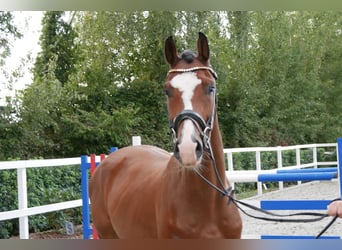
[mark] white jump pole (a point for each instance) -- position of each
(136, 140)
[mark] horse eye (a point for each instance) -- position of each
(167, 92)
(211, 89)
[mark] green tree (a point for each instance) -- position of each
(274, 89)
(42, 102)
(123, 63)
(9, 131)
(40, 115)
(328, 29)
(297, 111)
(7, 31)
(239, 99)
(57, 43)
(278, 80)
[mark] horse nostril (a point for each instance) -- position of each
(176, 152)
(199, 150)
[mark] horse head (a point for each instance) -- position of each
(191, 100)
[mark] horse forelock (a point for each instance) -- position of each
(188, 56)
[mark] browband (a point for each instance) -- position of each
(194, 69)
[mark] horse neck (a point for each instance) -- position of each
(217, 149)
(190, 185)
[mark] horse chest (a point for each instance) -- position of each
(192, 226)
(187, 229)
(216, 223)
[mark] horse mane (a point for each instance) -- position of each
(188, 56)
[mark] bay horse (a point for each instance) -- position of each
(146, 192)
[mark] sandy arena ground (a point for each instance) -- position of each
(321, 190)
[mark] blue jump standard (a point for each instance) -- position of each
(85, 166)
(296, 237)
(308, 170)
(297, 176)
(300, 175)
(294, 204)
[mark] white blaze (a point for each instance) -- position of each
(186, 83)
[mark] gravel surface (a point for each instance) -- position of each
(318, 190)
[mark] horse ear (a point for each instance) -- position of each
(203, 48)
(171, 51)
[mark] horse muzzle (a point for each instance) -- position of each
(188, 130)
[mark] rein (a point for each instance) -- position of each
(205, 127)
(230, 194)
(275, 217)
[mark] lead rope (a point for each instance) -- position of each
(229, 193)
(330, 223)
(281, 217)
(327, 227)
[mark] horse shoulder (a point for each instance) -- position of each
(130, 162)
(130, 180)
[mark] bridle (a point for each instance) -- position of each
(205, 128)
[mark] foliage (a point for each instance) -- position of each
(274, 94)
(9, 131)
(278, 80)
(10, 135)
(45, 186)
(7, 31)
(142, 97)
(57, 42)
